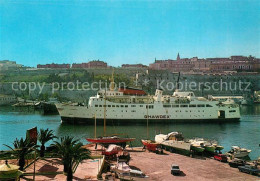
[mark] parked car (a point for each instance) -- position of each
(249, 169)
(221, 157)
(236, 162)
(175, 169)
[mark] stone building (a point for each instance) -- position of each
(91, 64)
(134, 66)
(234, 63)
(54, 66)
(9, 65)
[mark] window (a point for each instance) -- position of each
(201, 105)
(175, 105)
(141, 106)
(150, 107)
(117, 105)
(96, 105)
(166, 105)
(113, 105)
(122, 105)
(232, 111)
(100, 105)
(126, 105)
(132, 105)
(209, 105)
(184, 105)
(192, 105)
(109, 105)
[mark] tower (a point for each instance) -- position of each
(178, 56)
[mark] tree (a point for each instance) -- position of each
(71, 152)
(44, 96)
(44, 136)
(21, 149)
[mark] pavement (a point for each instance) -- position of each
(158, 167)
(86, 170)
(155, 166)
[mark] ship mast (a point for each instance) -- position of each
(104, 134)
(112, 82)
(147, 128)
(112, 88)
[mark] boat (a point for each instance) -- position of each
(176, 136)
(112, 150)
(120, 167)
(106, 140)
(150, 145)
(210, 148)
(173, 140)
(180, 106)
(132, 91)
(197, 148)
(218, 147)
(236, 162)
(238, 152)
(199, 143)
(109, 140)
(49, 106)
(124, 171)
(248, 100)
(229, 101)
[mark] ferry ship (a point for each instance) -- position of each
(115, 106)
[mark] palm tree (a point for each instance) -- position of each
(21, 149)
(71, 152)
(44, 136)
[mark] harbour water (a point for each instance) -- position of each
(245, 133)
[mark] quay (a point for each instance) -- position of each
(177, 146)
(153, 166)
(158, 167)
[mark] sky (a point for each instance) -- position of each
(121, 32)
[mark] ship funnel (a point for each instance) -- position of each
(158, 95)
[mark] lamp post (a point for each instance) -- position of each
(95, 125)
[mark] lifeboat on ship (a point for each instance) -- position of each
(132, 91)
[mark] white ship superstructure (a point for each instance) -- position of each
(181, 106)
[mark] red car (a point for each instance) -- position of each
(221, 157)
